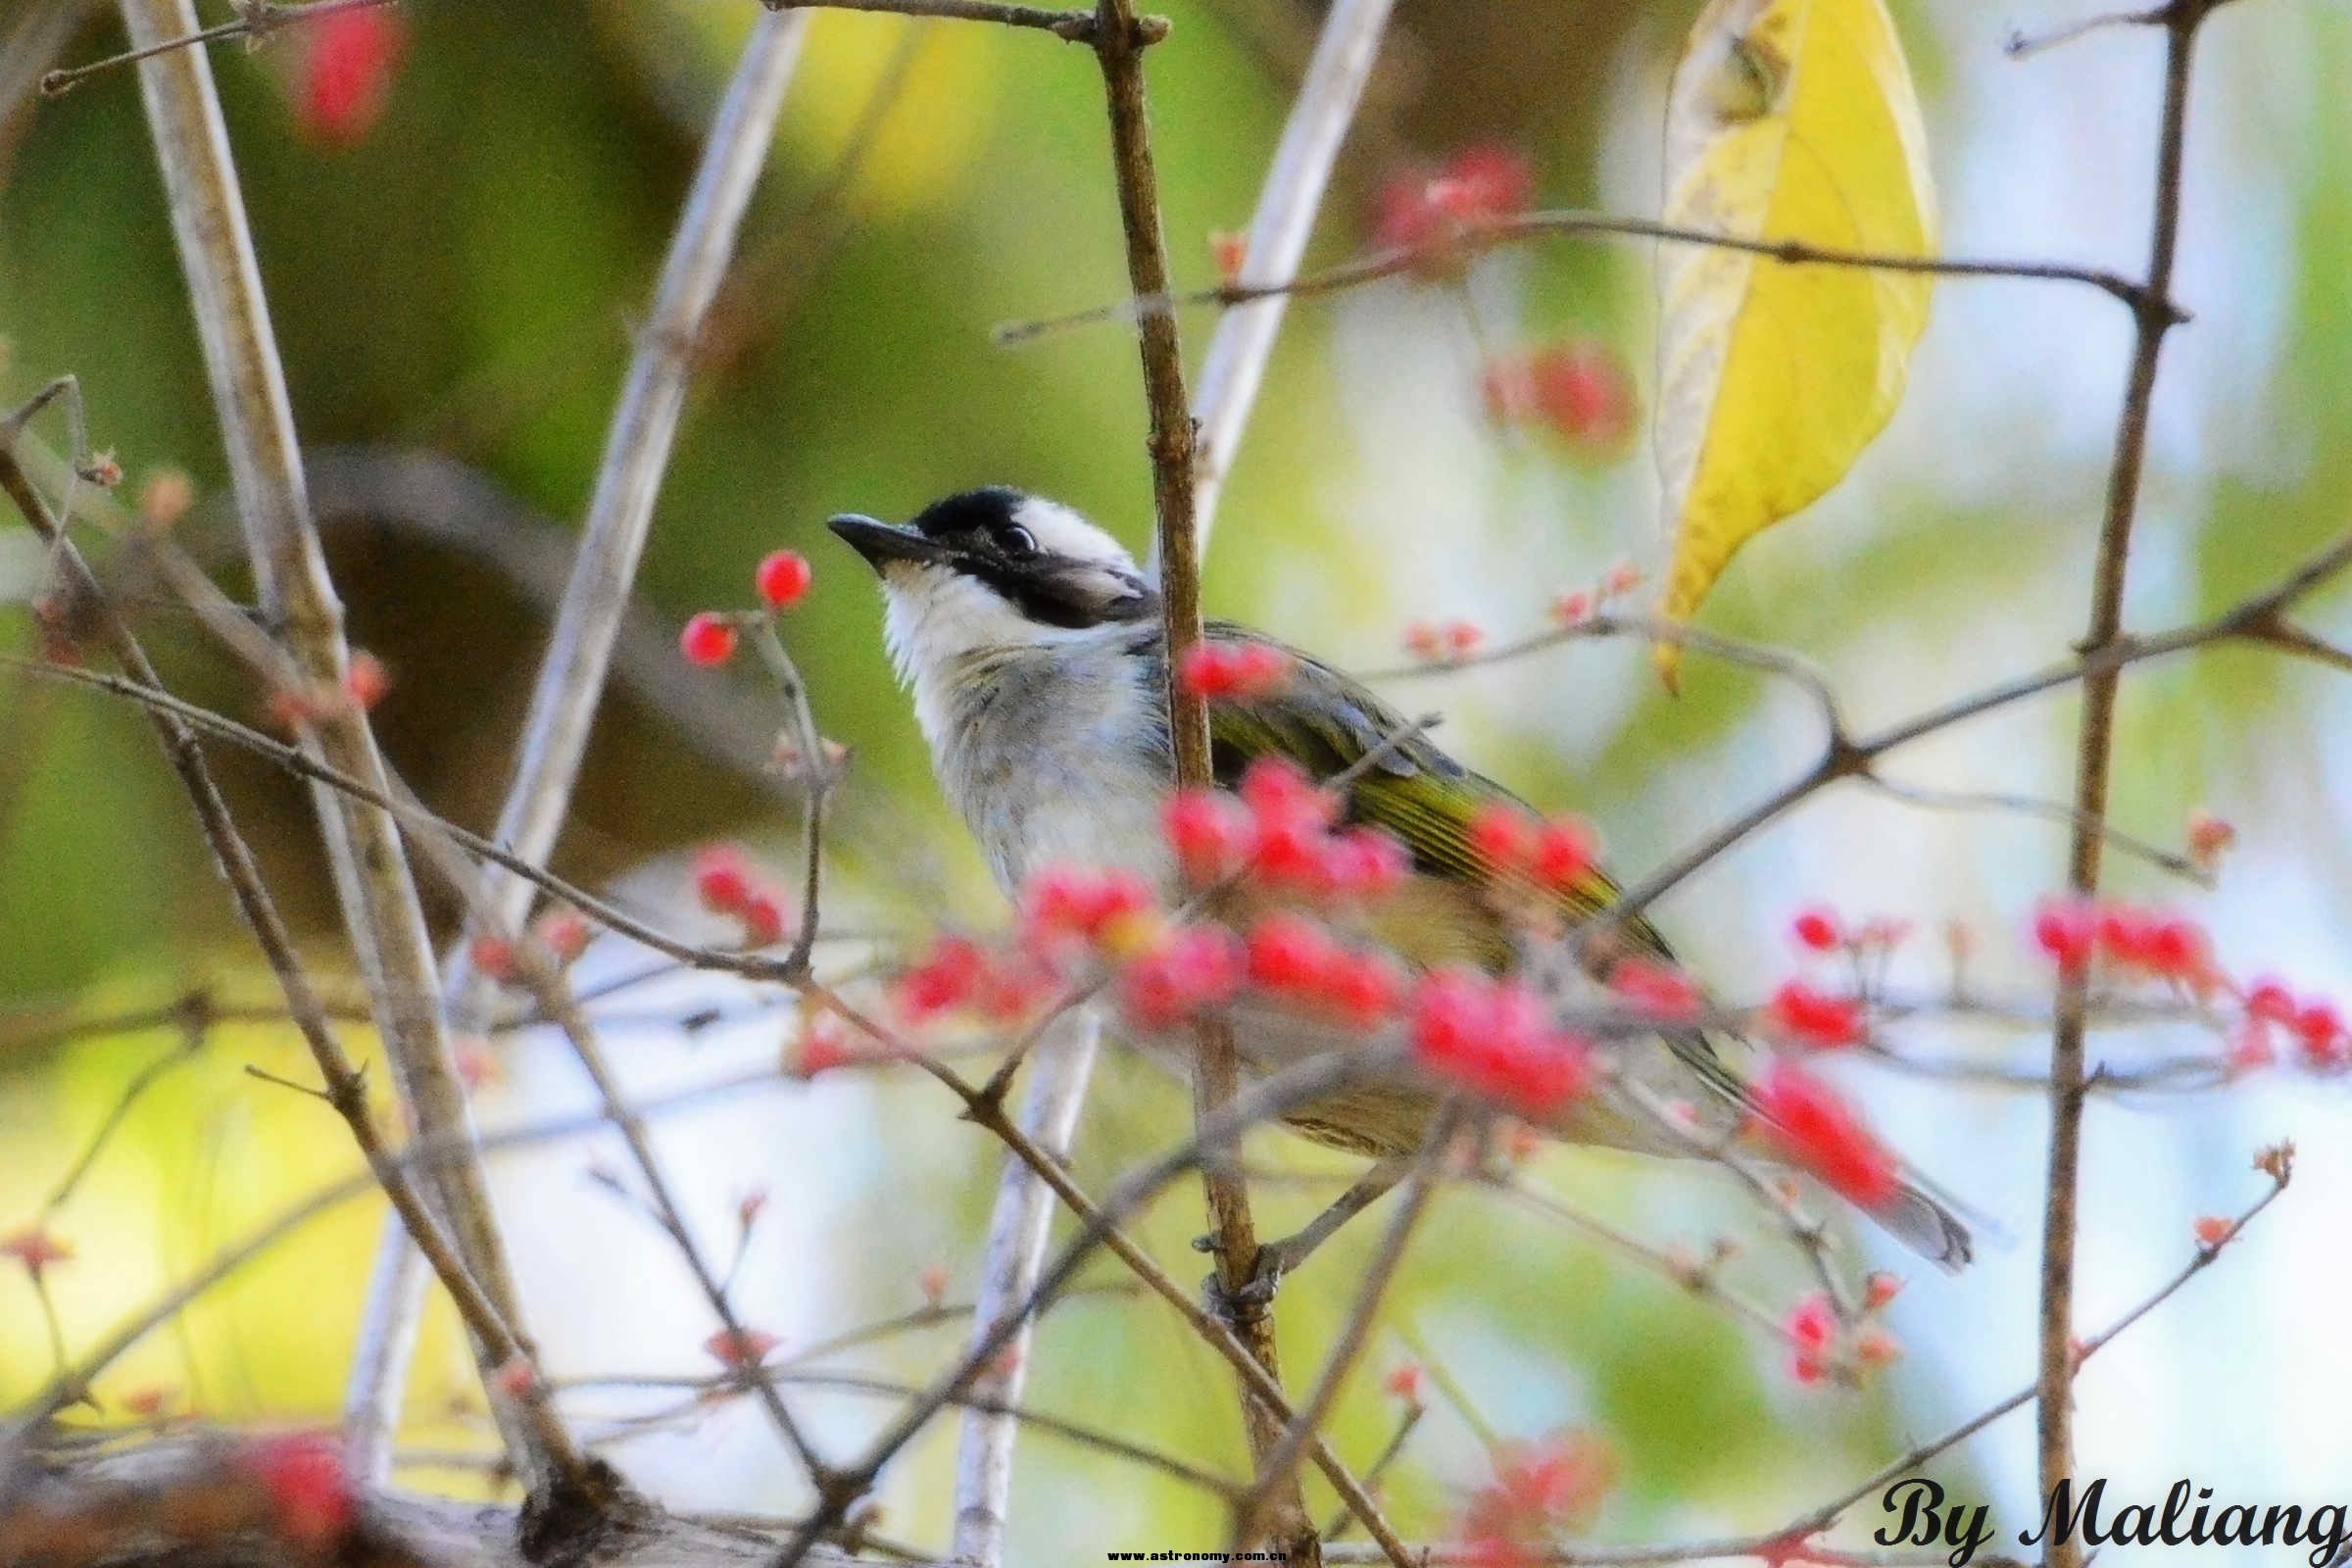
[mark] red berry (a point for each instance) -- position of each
(1229, 251)
(2269, 1000)
(1819, 1131)
(365, 681)
(493, 957)
(1502, 837)
(1572, 608)
(37, 1248)
(707, 640)
(308, 1491)
(1812, 1330)
(782, 578)
(563, 932)
(345, 75)
(722, 879)
(1364, 863)
(1818, 930)
(2321, 1029)
(1289, 952)
(1210, 832)
(2211, 1231)
(1563, 853)
(2067, 930)
(763, 920)
(947, 978)
(1803, 1016)
(741, 1347)
(1659, 990)
(1584, 396)
(1880, 1288)
(1404, 1382)
(1362, 989)
(1191, 969)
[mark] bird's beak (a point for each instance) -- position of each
(881, 542)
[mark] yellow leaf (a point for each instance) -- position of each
(1789, 119)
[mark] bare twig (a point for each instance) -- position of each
(2153, 317)
(1071, 27)
(1216, 1072)
(373, 877)
(2022, 45)
(256, 21)
(1493, 235)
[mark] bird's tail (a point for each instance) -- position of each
(1926, 1224)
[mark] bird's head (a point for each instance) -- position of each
(995, 570)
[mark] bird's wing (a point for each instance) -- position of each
(1327, 723)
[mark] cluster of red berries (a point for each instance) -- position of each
(1540, 1490)
(2133, 941)
(560, 934)
(1817, 1337)
(1556, 853)
(1279, 829)
(2075, 932)
(727, 884)
(1578, 390)
(1296, 961)
(1495, 1037)
(1444, 642)
(1226, 671)
(1429, 212)
(1810, 1125)
(1579, 604)
(710, 637)
(2314, 1023)
(366, 680)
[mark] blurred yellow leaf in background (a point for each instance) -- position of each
(1788, 120)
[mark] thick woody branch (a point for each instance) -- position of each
(189, 1500)
(372, 878)
(2093, 761)
(1216, 1071)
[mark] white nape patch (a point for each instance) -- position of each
(1060, 531)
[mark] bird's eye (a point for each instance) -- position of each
(1016, 540)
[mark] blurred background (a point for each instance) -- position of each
(458, 218)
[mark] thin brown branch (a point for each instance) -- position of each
(1527, 226)
(256, 21)
(1278, 1470)
(2093, 760)
(1071, 27)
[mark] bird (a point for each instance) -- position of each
(1034, 651)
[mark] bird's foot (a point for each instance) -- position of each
(1248, 1302)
